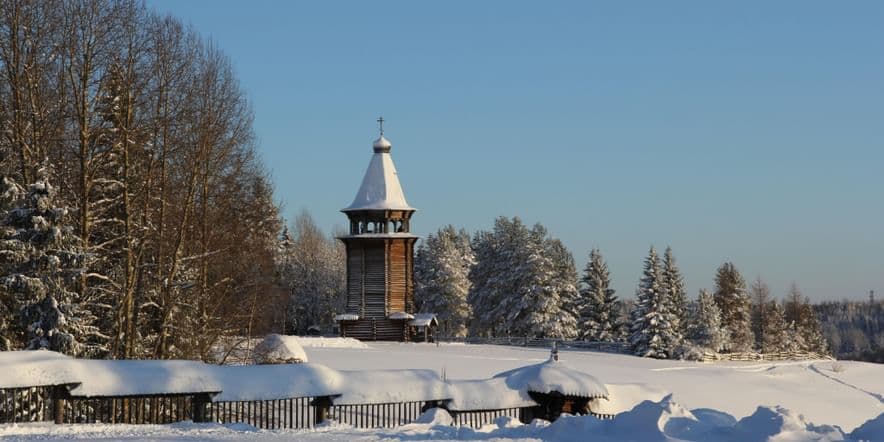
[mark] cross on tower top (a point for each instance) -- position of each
(381, 124)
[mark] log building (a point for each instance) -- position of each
(380, 254)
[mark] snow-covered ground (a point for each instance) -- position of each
(721, 401)
(843, 393)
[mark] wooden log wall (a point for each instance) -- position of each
(398, 275)
(374, 280)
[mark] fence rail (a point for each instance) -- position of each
(476, 419)
(292, 413)
(522, 341)
(377, 415)
(775, 356)
(135, 410)
(31, 404)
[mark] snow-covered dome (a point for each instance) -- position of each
(380, 189)
(554, 375)
(382, 145)
(279, 349)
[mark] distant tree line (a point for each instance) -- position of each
(855, 329)
(136, 220)
(519, 281)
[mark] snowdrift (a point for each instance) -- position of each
(279, 349)
(551, 376)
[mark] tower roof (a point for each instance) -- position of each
(380, 189)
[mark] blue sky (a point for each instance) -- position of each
(748, 131)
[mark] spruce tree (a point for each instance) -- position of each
(775, 337)
(705, 328)
(441, 278)
(804, 324)
(652, 332)
(523, 283)
(39, 261)
(733, 301)
(673, 284)
(599, 312)
(760, 295)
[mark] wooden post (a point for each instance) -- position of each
(200, 405)
(58, 394)
(322, 406)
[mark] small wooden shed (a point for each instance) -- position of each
(423, 327)
(556, 388)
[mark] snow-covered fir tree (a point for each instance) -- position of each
(652, 332)
(775, 336)
(804, 325)
(599, 312)
(563, 285)
(733, 301)
(442, 265)
(673, 284)
(760, 295)
(39, 261)
(522, 283)
(490, 278)
(10, 194)
(705, 328)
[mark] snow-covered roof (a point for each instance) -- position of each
(552, 376)
(268, 382)
(92, 378)
(423, 319)
(486, 394)
(380, 189)
(386, 386)
(34, 368)
(279, 349)
(401, 315)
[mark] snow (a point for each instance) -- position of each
(663, 420)
(847, 397)
(33, 369)
(267, 382)
(380, 189)
(552, 376)
(347, 317)
(653, 399)
(279, 349)
(94, 378)
(382, 143)
(385, 386)
(401, 315)
(324, 342)
(486, 394)
(624, 397)
(423, 319)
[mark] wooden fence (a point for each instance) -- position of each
(751, 356)
(32, 404)
(150, 409)
(523, 341)
(476, 419)
(386, 415)
(269, 414)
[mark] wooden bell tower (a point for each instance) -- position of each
(380, 254)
